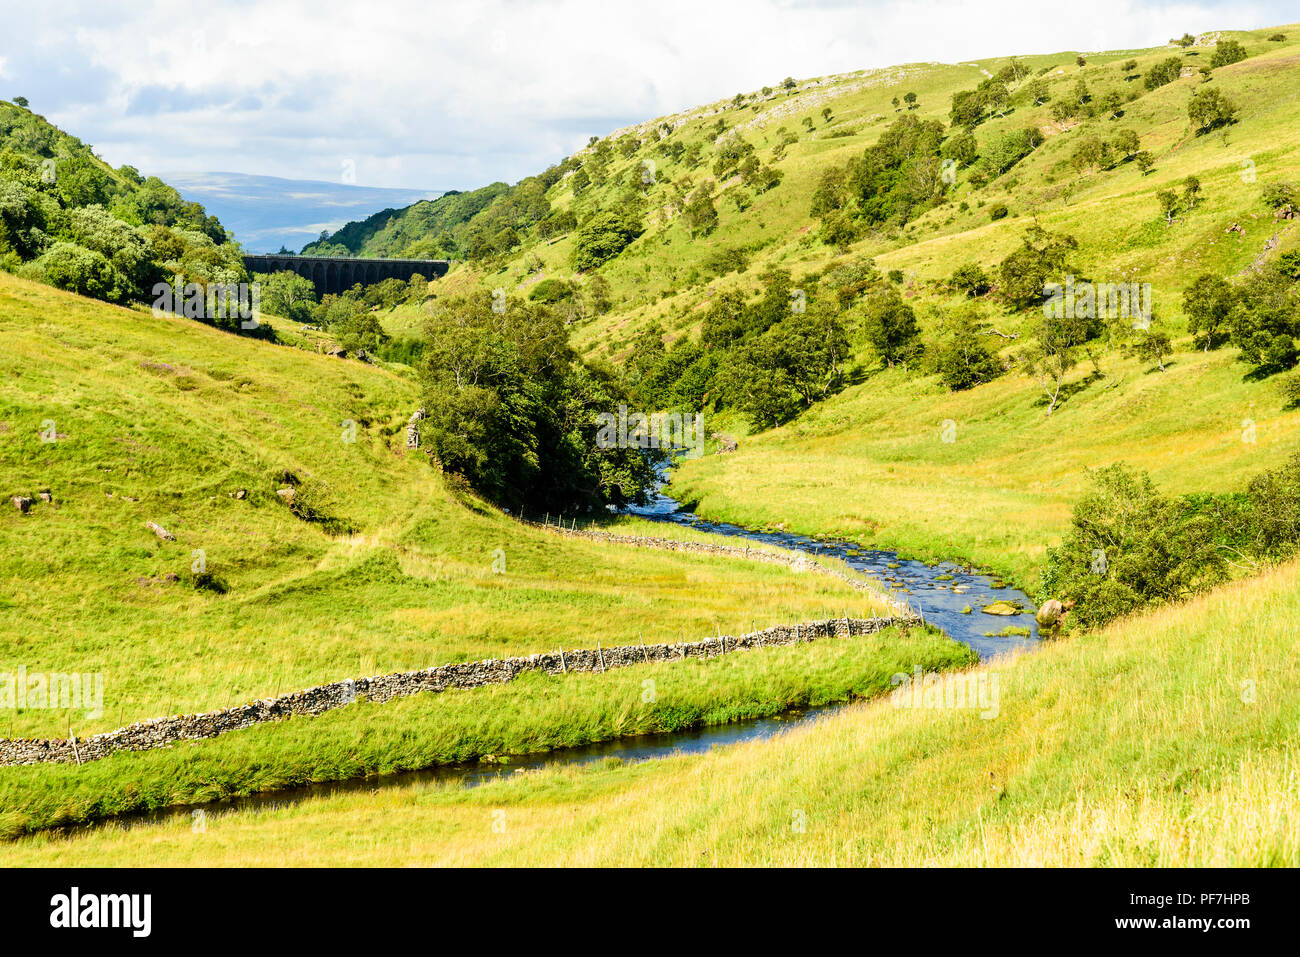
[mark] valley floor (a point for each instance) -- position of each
(1168, 739)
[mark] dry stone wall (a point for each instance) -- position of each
(163, 732)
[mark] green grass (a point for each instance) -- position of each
(870, 464)
(1166, 740)
(534, 713)
(163, 420)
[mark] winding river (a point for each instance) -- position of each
(940, 592)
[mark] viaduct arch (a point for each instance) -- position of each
(337, 274)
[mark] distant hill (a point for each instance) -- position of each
(267, 212)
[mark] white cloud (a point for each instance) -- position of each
(465, 92)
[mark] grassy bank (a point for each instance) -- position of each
(1168, 739)
(535, 713)
(871, 464)
(165, 420)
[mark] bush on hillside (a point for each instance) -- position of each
(602, 238)
(1128, 547)
(83, 271)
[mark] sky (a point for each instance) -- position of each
(452, 95)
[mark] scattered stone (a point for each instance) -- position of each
(285, 493)
(726, 443)
(45, 496)
(413, 429)
(1050, 613)
(241, 494)
(161, 532)
(1003, 608)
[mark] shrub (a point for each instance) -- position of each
(1277, 195)
(551, 291)
(83, 271)
(602, 238)
(998, 211)
(1128, 547)
(971, 279)
(1162, 73)
(1209, 108)
(1226, 52)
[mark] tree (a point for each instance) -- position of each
(1144, 161)
(1127, 143)
(1129, 546)
(603, 237)
(891, 328)
(967, 109)
(1279, 194)
(1191, 191)
(788, 83)
(1091, 153)
(826, 113)
(287, 294)
(1227, 52)
(964, 360)
(962, 148)
(910, 100)
(1037, 92)
(1208, 302)
(831, 192)
(1185, 40)
(896, 103)
(83, 271)
(21, 101)
(1209, 108)
(1128, 66)
(1163, 72)
(1153, 345)
(1112, 104)
(1054, 351)
(1080, 61)
(1024, 274)
(700, 214)
(1169, 205)
(970, 279)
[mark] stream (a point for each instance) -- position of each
(940, 592)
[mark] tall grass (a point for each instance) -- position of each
(534, 713)
(1168, 739)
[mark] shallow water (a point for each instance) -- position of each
(939, 600)
(938, 592)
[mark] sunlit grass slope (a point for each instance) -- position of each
(497, 723)
(1169, 739)
(872, 464)
(164, 420)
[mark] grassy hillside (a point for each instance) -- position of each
(378, 566)
(869, 463)
(1165, 740)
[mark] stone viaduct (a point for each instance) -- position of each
(336, 274)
